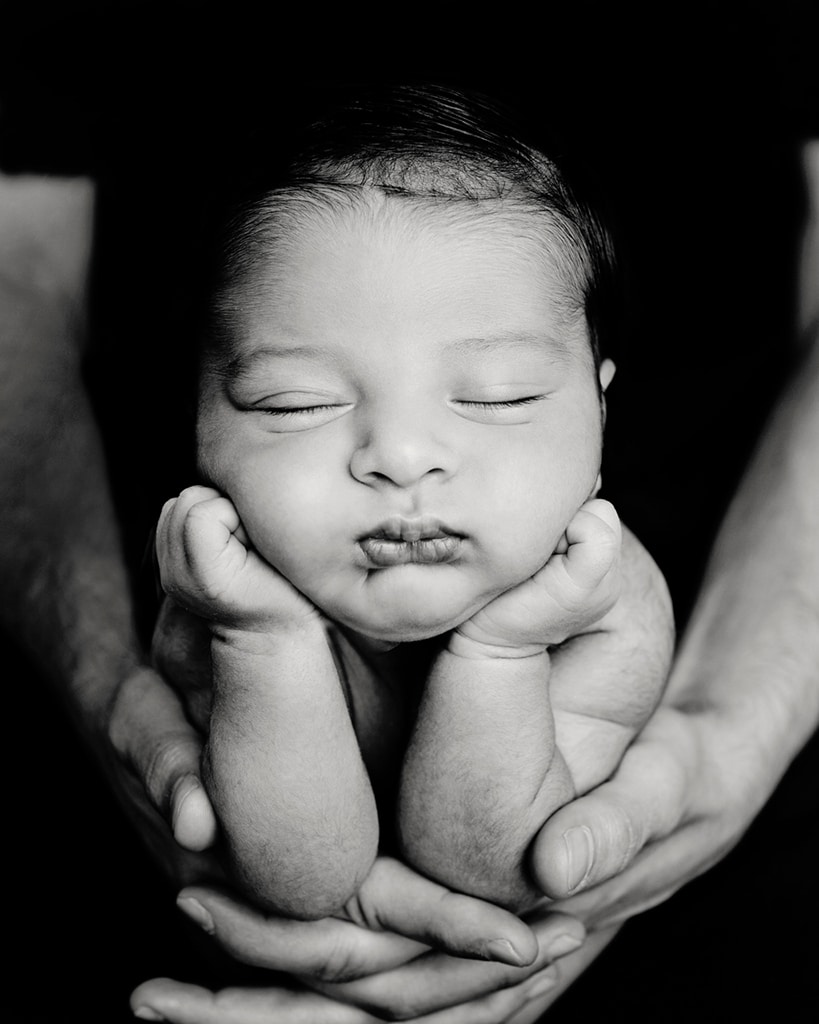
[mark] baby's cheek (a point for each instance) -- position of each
(526, 543)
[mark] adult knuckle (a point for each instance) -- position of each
(338, 966)
(162, 767)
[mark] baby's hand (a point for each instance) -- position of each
(208, 567)
(576, 587)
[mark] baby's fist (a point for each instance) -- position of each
(207, 565)
(574, 590)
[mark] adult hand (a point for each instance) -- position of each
(741, 702)
(153, 760)
(64, 589)
(377, 965)
(395, 919)
(684, 794)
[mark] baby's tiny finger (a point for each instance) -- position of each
(174, 514)
(604, 512)
(208, 527)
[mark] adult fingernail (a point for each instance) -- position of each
(504, 951)
(544, 983)
(197, 913)
(564, 944)
(579, 843)
(147, 1013)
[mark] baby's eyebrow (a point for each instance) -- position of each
(244, 363)
(503, 341)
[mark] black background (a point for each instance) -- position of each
(690, 118)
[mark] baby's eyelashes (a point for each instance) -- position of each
(303, 416)
(497, 410)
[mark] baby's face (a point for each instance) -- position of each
(406, 425)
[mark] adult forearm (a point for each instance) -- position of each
(751, 652)
(63, 589)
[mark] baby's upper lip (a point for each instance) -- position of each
(411, 528)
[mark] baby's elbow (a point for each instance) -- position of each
(308, 882)
(305, 898)
(490, 866)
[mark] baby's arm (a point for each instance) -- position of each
(483, 771)
(282, 763)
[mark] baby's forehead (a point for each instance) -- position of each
(341, 224)
(350, 263)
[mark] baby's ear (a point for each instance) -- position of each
(606, 374)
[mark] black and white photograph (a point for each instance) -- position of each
(409, 512)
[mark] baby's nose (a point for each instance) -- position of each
(402, 450)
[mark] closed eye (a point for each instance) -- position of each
(298, 410)
(510, 403)
(289, 418)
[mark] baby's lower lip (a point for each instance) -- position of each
(383, 552)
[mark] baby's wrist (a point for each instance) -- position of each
(474, 648)
(261, 636)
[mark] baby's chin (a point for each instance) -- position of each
(386, 635)
(409, 604)
(406, 621)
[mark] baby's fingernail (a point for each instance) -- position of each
(504, 951)
(147, 1013)
(579, 843)
(197, 913)
(564, 944)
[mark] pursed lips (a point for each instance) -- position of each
(424, 540)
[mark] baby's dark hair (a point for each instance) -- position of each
(431, 143)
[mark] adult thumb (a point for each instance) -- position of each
(598, 835)
(150, 731)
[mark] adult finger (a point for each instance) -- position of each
(554, 981)
(436, 981)
(149, 729)
(595, 837)
(500, 1006)
(395, 898)
(329, 949)
(181, 1003)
